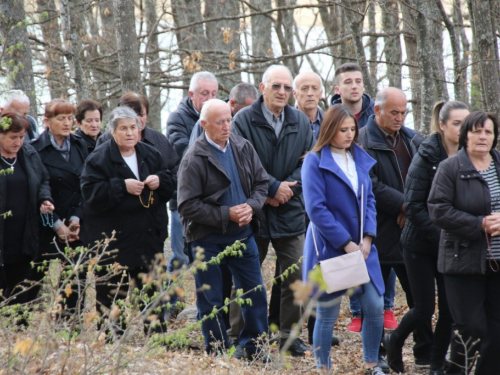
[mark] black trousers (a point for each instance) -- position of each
(13, 275)
(423, 332)
(423, 278)
(111, 290)
(475, 307)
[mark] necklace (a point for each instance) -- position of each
(150, 200)
(9, 164)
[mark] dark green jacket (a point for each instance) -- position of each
(282, 159)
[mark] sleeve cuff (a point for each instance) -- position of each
(74, 218)
(271, 192)
(58, 224)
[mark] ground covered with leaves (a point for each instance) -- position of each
(55, 346)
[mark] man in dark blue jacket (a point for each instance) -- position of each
(393, 145)
(349, 89)
(180, 123)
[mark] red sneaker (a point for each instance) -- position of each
(390, 320)
(355, 325)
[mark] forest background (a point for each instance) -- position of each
(100, 49)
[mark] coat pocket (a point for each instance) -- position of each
(458, 256)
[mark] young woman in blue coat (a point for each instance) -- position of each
(334, 173)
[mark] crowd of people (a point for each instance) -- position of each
(259, 172)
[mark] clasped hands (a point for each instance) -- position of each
(491, 224)
(365, 247)
(241, 214)
(283, 194)
(135, 187)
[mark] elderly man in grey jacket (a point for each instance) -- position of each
(222, 187)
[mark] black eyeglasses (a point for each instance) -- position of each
(277, 87)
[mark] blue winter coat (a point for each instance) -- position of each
(333, 208)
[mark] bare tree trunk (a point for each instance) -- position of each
(464, 60)
(189, 39)
(261, 35)
(14, 35)
(128, 46)
(436, 40)
(356, 19)
(152, 65)
(331, 20)
(72, 47)
(428, 86)
(485, 41)
(284, 27)
(224, 40)
(410, 39)
(390, 22)
(372, 45)
(57, 78)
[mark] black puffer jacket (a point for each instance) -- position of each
(282, 159)
(420, 235)
(38, 191)
(180, 124)
(140, 231)
(388, 187)
(458, 201)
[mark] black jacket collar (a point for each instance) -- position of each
(291, 117)
(376, 139)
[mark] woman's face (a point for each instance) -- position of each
(91, 123)
(10, 143)
(126, 134)
(480, 140)
(60, 126)
(345, 134)
(451, 128)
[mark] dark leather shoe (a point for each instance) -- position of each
(297, 349)
(382, 363)
(394, 355)
(240, 353)
(437, 372)
(335, 341)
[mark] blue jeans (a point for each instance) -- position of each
(178, 258)
(372, 307)
(247, 275)
(390, 293)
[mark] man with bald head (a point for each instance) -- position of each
(308, 90)
(393, 145)
(222, 187)
(281, 135)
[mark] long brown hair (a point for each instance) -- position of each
(330, 126)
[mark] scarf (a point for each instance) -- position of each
(64, 150)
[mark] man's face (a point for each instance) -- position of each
(235, 107)
(392, 117)
(277, 90)
(350, 87)
(308, 92)
(218, 124)
(21, 108)
(206, 90)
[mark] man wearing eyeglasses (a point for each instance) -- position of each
(308, 90)
(281, 135)
(393, 145)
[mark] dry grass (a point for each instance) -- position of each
(44, 348)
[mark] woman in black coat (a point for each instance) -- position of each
(464, 202)
(420, 239)
(24, 192)
(63, 154)
(88, 119)
(125, 186)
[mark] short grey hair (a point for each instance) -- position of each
(206, 108)
(195, 80)
(121, 113)
(294, 84)
(242, 91)
(381, 97)
(272, 68)
(15, 96)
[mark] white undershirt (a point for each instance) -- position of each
(349, 169)
(132, 163)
